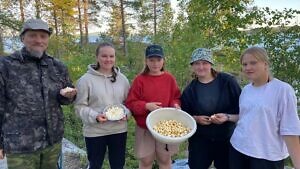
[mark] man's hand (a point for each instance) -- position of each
(1, 154)
(68, 92)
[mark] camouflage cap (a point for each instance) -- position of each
(202, 54)
(35, 24)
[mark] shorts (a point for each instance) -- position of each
(146, 145)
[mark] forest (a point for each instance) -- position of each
(227, 27)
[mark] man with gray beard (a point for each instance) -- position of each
(33, 86)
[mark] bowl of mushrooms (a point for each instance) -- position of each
(114, 112)
(171, 125)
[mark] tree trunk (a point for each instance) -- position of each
(22, 11)
(86, 21)
(38, 8)
(80, 22)
(56, 49)
(1, 43)
(154, 17)
(123, 29)
(63, 22)
(55, 21)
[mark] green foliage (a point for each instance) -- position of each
(134, 63)
(144, 17)
(221, 26)
(131, 161)
(165, 23)
(281, 42)
(115, 26)
(283, 52)
(7, 20)
(73, 127)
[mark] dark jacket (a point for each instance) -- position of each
(31, 116)
(228, 102)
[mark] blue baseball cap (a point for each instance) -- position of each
(154, 50)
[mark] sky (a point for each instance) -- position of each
(278, 4)
(273, 4)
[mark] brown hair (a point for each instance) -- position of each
(101, 45)
(146, 69)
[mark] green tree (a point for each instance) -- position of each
(115, 25)
(119, 25)
(7, 22)
(280, 37)
(152, 16)
(227, 28)
(144, 17)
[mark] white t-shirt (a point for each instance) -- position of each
(267, 113)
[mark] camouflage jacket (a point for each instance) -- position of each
(31, 116)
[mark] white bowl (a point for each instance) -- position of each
(113, 116)
(170, 114)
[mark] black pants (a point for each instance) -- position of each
(242, 161)
(96, 149)
(202, 152)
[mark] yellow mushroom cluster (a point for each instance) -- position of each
(171, 128)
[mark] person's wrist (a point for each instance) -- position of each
(228, 117)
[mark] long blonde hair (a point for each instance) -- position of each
(260, 54)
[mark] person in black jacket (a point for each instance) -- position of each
(212, 98)
(33, 86)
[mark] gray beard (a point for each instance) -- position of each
(36, 54)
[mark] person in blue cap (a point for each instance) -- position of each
(33, 86)
(152, 89)
(212, 98)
